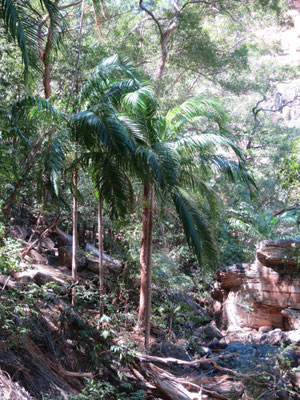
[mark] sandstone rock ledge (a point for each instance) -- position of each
(263, 294)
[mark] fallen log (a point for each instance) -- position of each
(89, 248)
(166, 361)
(173, 390)
(172, 387)
(67, 239)
(179, 383)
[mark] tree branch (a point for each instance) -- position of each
(195, 2)
(142, 7)
(287, 209)
(256, 110)
(76, 3)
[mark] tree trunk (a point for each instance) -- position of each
(144, 314)
(47, 79)
(149, 270)
(96, 10)
(75, 237)
(100, 259)
(144, 255)
(163, 58)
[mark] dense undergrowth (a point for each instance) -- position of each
(56, 351)
(42, 335)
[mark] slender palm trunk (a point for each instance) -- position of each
(144, 255)
(149, 270)
(101, 270)
(75, 237)
(144, 314)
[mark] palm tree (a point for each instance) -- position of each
(108, 140)
(168, 152)
(179, 149)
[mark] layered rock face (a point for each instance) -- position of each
(263, 294)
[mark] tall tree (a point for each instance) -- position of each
(197, 127)
(109, 141)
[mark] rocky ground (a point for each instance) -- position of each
(249, 350)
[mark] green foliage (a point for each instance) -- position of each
(272, 376)
(10, 260)
(95, 390)
(289, 173)
(21, 21)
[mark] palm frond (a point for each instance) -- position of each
(147, 163)
(199, 106)
(22, 27)
(197, 229)
(133, 128)
(54, 162)
(203, 142)
(34, 106)
(120, 142)
(115, 187)
(117, 66)
(108, 91)
(189, 178)
(141, 101)
(21, 20)
(88, 129)
(168, 162)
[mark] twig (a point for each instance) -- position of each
(5, 283)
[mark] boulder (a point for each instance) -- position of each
(216, 344)
(169, 350)
(47, 243)
(36, 257)
(254, 295)
(293, 318)
(275, 337)
(294, 337)
(296, 378)
(278, 252)
(253, 356)
(38, 277)
(65, 258)
(208, 333)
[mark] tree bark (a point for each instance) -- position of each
(96, 11)
(164, 34)
(149, 270)
(75, 237)
(100, 258)
(144, 255)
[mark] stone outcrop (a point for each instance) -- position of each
(263, 294)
